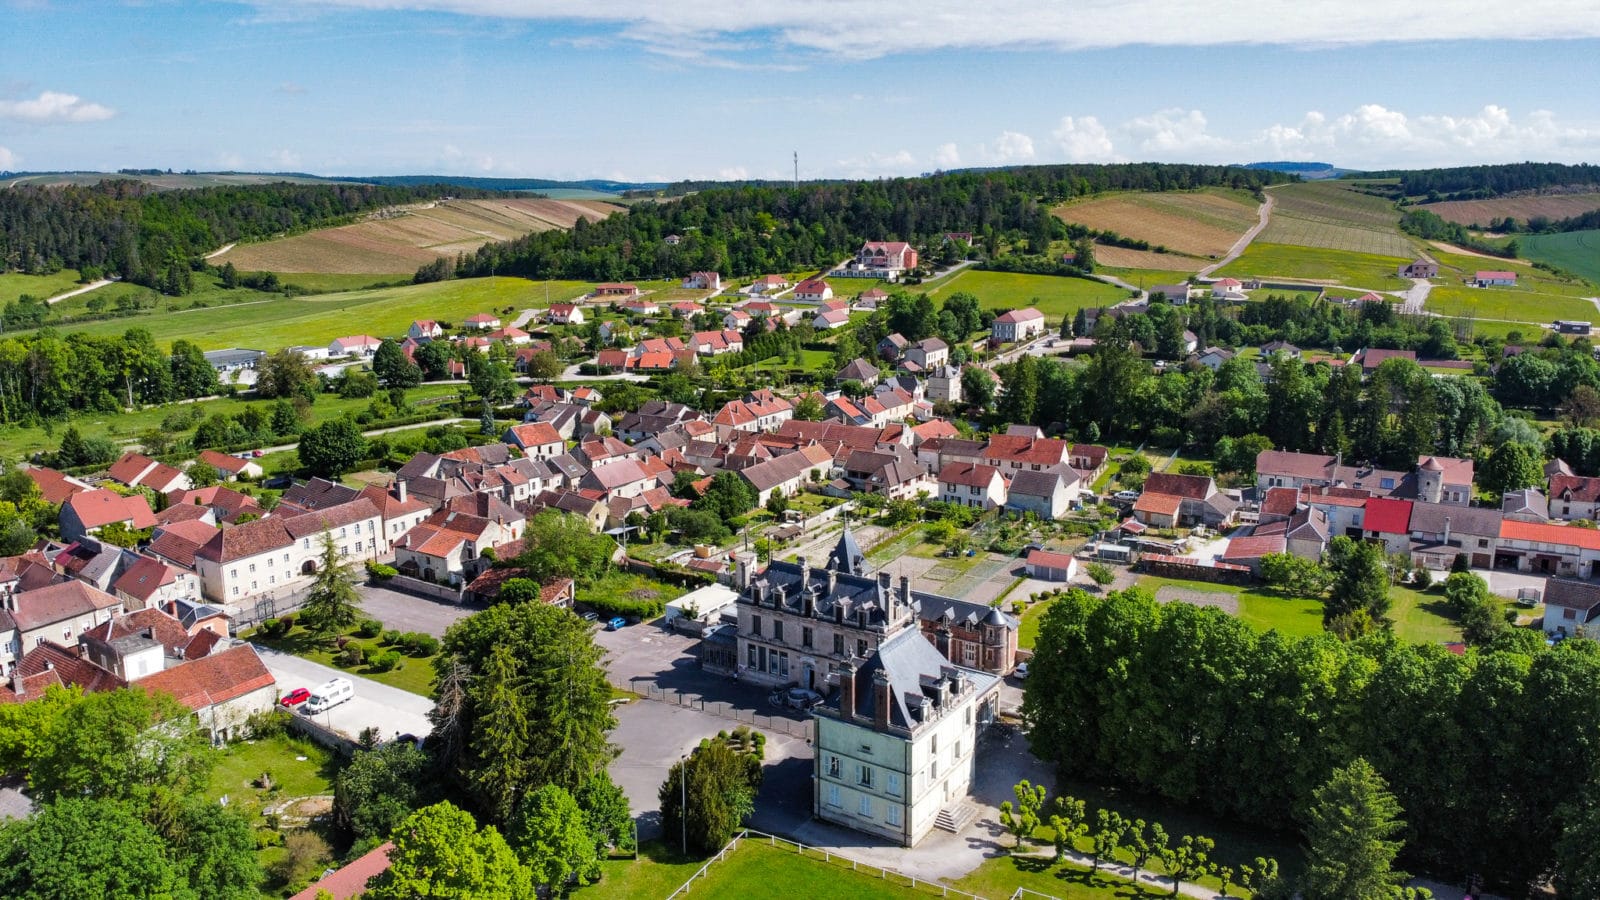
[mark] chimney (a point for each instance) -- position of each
(1446, 529)
(943, 641)
(905, 590)
(847, 692)
(833, 582)
(17, 685)
(742, 571)
(805, 573)
(880, 699)
(400, 490)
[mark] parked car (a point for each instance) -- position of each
(258, 453)
(802, 699)
(1021, 671)
(589, 615)
(1126, 496)
(616, 623)
(295, 697)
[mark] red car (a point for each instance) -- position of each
(296, 697)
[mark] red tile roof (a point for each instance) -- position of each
(1027, 314)
(1388, 516)
(102, 507)
(968, 474)
(55, 486)
(1160, 504)
(223, 462)
(1566, 535)
(1049, 559)
(214, 679)
(350, 881)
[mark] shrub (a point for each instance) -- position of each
(353, 655)
(1421, 578)
(380, 571)
(269, 723)
(369, 628)
(644, 608)
(384, 661)
(391, 637)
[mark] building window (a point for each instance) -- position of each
(956, 753)
(805, 637)
(864, 776)
(866, 806)
(233, 573)
(861, 647)
(894, 784)
(833, 767)
(935, 746)
(751, 662)
(935, 773)
(755, 625)
(833, 795)
(838, 645)
(777, 630)
(891, 814)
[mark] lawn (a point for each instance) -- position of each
(40, 287)
(1363, 270)
(759, 871)
(1055, 296)
(276, 321)
(1514, 304)
(1002, 876)
(414, 673)
(240, 764)
(1144, 278)
(329, 282)
(810, 360)
(1032, 618)
(18, 440)
(654, 875)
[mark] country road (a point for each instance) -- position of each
(218, 252)
(76, 291)
(377, 431)
(1264, 214)
(1416, 296)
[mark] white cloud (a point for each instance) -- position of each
(286, 159)
(1375, 136)
(876, 165)
(733, 173)
(52, 107)
(8, 159)
(946, 156)
(1084, 139)
(855, 29)
(1168, 130)
(1009, 147)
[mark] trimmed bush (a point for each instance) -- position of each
(384, 661)
(380, 571)
(369, 628)
(627, 606)
(391, 637)
(352, 655)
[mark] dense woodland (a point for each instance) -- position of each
(749, 230)
(151, 237)
(1484, 182)
(1489, 754)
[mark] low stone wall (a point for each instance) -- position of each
(422, 588)
(321, 735)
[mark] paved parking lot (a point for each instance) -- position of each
(408, 612)
(391, 710)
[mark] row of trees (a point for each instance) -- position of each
(1197, 707)
(750, 229)
(47, 376)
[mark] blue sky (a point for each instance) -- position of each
(647, 90)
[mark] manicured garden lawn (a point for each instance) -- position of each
(810, 360)
(240, 764)
(1032, 617)
(754, 871)
(1001, 876)
(654, 875)
(1053, 295)
(414, 673)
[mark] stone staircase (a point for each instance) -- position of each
(955, 817)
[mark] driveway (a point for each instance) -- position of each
(391, 710)
(648, 655)
(408, 612)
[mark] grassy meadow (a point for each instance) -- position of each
(1577, 252)
(40, 287)
(1357, 270)
(1053, 295)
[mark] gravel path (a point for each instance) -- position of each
(1228, 603)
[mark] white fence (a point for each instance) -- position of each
(931, 888)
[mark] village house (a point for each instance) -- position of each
(858, 370)
(943, 384)
(1574, 497)
(134, 470)
(1494, 278)
(230, 467)
(1419, 268)
(760, 410)
(1230, 289)
(871, 297)
(563, 314)
(812, 290)
(56, 612)
(928, 353)
(716, 343)
(888, 260)
(787, 473)
(354, 345)
(1441, 532)
(1176, 294)
(1047, 494)
(1570, 608)
(1173, 501)
(769, 284)
(86, 512)
(616, 289)
(536, 440)
(895, 473)
(448, 545)
(829, 319)
(482, 321)
(1548, 549)
(972, 484)
(424, 330)
(280, 553)
(1018, 325)
(702, 281)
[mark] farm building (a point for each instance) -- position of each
(233, 359)
(616, 289)
(1051, 566)
(1177, 294)
(1494, 278)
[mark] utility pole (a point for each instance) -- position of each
(797, 170)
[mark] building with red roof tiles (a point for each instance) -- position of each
(48, 665)
(937, 428)
(350, 881)
(1548, 549)
(972, 484)
(1012, 453)
(135, 470)
(89, 511)
(702, 281)
(425, 330)
(276, 555)
(813, 290)
(1388, 520)
(768, 284)
(564, 314)
(1494, 277)
(483, 321)
(537, 440)
(884, 259)
(228, 466)
(354, 345)
(148, 582)
(1018, 325)
(616, 289)
(224, 689)
(59, 611)
(55, 486)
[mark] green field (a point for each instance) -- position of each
(1053, 295)
(414, 674)
(1577, 252)
(327, 282)
(18, 441)
(1509, 304)
(1144, 278)
(279, 321)
(1419, 617)
(1360, 270)
(755, 870)
(40, 287)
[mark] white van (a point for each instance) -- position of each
(327, 696)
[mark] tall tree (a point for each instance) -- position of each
(86, 847)
(1020, 401)
(440, 852)
(551, 835)
(1351, 831)
(392, 367)
(720, 790)
(332, 604)
(332, 448)
(379, 788)
(1512, 466)
(1360, 581)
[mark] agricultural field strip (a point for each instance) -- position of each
(1481, 212)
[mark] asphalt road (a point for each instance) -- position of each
(391, 710)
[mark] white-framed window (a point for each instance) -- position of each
(866, 806)
(833, 767)
(864, 776)
(893, 784)
(891, 814)
(233, 573)
(833, 795)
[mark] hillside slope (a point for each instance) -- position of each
(399, 241)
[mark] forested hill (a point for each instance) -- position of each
(1484, 182)
(752, 229)
(511, 184)
(149, 236)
